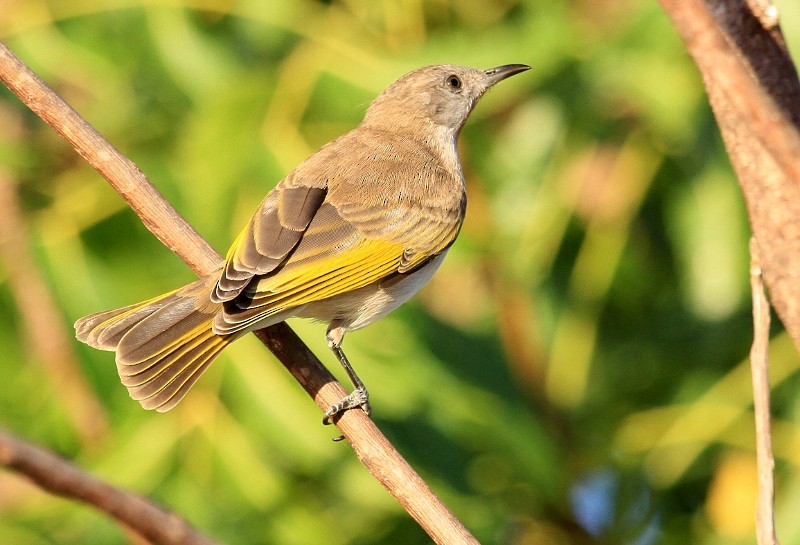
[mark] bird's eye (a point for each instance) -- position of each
(454, 82)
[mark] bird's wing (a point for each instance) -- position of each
(337, 252)
(273, 232)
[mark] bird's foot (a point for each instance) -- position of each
(357, 398)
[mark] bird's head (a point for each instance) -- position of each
(440, 95)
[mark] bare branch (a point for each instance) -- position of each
(371, 447)
(56, 475)
(45, 331)
(759, 367)
(754, 91)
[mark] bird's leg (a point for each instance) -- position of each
(359, 397)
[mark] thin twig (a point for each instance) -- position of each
(56, 475)
(759, 367)
(754, 90)
(371, 447)
(45, 331)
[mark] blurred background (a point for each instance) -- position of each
(575, 373)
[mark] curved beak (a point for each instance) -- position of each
(493, 75)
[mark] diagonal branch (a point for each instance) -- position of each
(49, 342)
(58, 476)
(754, 91)
(372, 448)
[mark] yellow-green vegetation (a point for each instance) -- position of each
(575, 371)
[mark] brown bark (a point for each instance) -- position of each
(754, 91)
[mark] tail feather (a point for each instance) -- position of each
(164, 329)
(154, 372)
(172, 377)
(104, 330)
(163, 345)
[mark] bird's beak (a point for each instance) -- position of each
(493, 75)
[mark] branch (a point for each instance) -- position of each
(45, 335)
(754, 91)
(372, 448)
(759, 367)
(56, 475)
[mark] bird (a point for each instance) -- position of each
(350, 234)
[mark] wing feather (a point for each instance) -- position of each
(361, 266)
(269, 237)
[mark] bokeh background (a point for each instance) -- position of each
(575, 373)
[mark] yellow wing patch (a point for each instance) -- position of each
(362, 264)
(359, 266)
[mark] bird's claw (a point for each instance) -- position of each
(357, 398)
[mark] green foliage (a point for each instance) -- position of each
(575, 372)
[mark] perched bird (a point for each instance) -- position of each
(348, 236)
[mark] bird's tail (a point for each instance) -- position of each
(163, 345)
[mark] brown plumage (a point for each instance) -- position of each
(348, 236)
